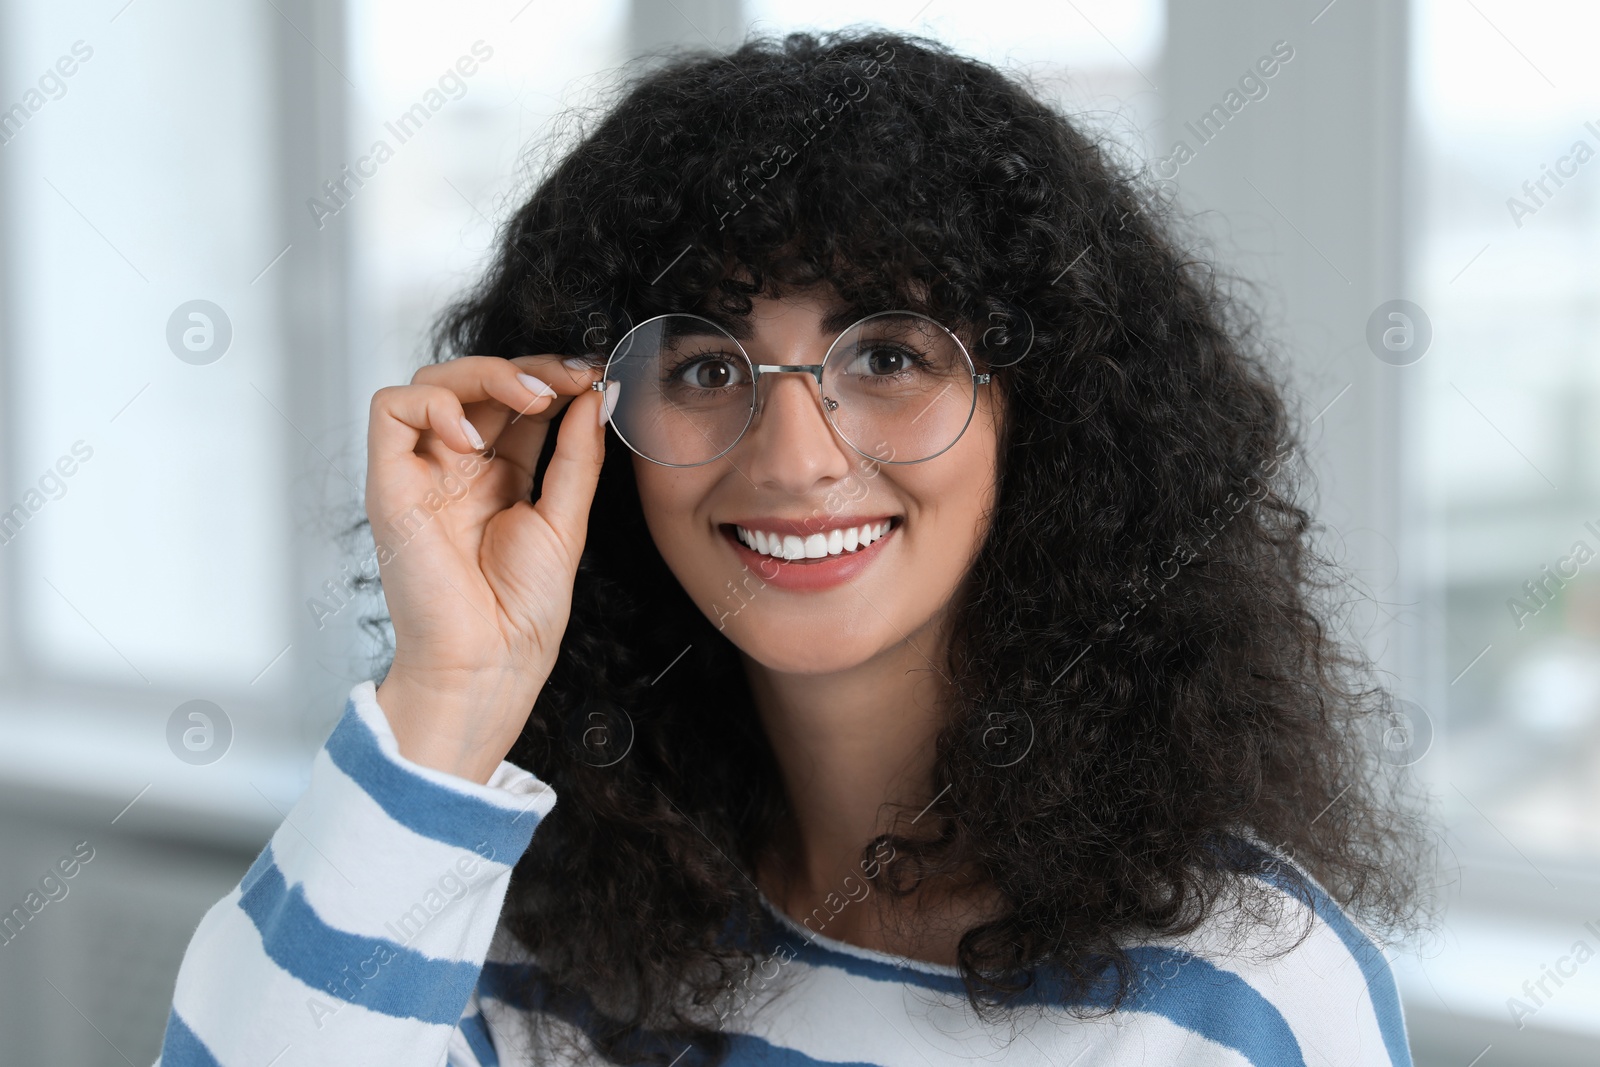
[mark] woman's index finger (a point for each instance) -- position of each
(521, 439)
(567, 375)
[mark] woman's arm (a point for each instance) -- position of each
(358, 934)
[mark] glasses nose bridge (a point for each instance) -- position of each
(823, 403)
(813, 369)
(763, 370)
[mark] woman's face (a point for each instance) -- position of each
(791, 474)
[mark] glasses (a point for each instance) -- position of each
(897, 387)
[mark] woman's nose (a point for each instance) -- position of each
(791, 446)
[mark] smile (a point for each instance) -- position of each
(790, 554)
(820, 545)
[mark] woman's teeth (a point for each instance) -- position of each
(815, 546)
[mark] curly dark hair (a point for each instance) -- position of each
(1148, 628)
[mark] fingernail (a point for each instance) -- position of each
(472, 433)
(575, 363)
(535, 386)
(609, 403)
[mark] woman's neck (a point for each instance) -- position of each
(851, 745)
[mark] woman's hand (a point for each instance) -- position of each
(478, 581)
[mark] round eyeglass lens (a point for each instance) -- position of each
(899, 387)
(685, 390)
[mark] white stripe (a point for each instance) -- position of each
(850, 1017)
(247, 1009)
(1318, 987)
(441, 900)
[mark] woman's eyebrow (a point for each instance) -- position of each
(836, 320)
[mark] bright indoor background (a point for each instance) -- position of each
(215, 461)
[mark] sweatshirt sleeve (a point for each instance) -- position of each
(358, 934)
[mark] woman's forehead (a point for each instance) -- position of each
(839, 302)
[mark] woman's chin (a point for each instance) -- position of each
(800, 648)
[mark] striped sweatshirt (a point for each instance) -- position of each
(368, 932)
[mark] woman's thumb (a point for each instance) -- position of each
(574, 470)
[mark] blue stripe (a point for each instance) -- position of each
(1212, 1002)
(1381, 990)
(746, 1049)
(182, 1047)
(475, 1028)
(522, 986)
(1218, 1005)
(425, 807)
(374, 972)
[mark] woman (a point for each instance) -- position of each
(929, 667)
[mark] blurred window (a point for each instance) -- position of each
(1506, 263)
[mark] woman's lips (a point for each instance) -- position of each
(809, 574)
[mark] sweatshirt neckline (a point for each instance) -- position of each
(831, 946)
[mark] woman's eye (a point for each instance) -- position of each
(884, 360)
(710, 374)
